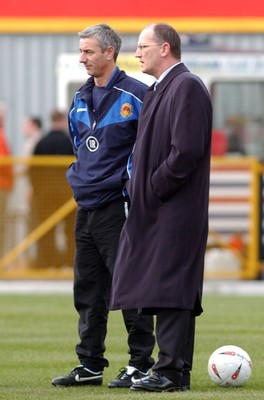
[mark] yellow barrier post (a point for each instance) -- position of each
(253, 263)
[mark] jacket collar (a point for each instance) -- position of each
(178, 69)
(86, 89)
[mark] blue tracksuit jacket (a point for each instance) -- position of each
(103, 141)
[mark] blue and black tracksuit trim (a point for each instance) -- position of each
(103, 140)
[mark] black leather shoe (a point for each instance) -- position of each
(155, 382)
(186, 381)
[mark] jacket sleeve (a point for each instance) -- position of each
(73, 131)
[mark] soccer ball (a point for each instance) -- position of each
(229, 366)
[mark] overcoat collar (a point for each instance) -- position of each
(178, 69)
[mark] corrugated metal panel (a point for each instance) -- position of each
(28, 70)
(28, 79)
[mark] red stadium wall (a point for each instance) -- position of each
(45, 16)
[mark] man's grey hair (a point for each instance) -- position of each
(105, 36)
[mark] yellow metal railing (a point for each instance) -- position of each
(37, 233)
(253, 264)
(39, 185)
(249, 258)
(22, 238)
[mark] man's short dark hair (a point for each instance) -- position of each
(166, 33)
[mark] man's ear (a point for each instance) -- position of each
(110, 53)
(165, 49)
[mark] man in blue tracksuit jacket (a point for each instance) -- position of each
(103, 123)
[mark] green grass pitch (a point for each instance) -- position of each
(38, 334)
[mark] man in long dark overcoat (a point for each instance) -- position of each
(160, 262)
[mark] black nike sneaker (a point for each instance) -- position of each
(79, 376)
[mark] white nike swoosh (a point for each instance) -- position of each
(134, 380)
(84, 379)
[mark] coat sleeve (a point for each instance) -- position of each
(190, 126)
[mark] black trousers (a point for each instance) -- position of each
(96, 235)
(175, 331)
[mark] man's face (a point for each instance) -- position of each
(92, 57)
(149, 52)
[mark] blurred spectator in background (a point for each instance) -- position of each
(56, 141)
(6, 179)
(235, 126)
(32, 133)
(32, 130)
(50, 192)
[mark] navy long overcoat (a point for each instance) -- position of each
(160, 260)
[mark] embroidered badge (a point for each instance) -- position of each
(126, 110)
(92, 143)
